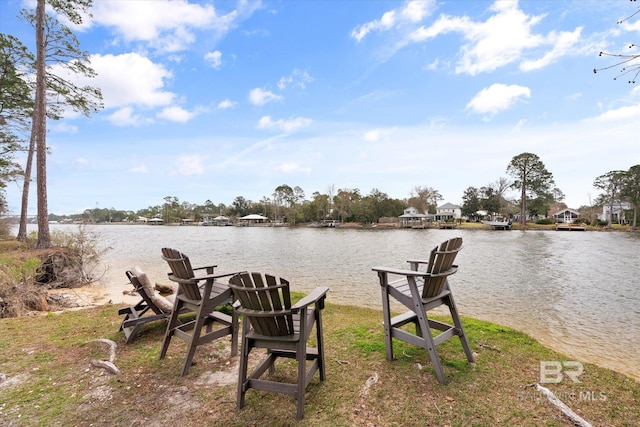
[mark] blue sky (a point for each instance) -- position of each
(210, 100)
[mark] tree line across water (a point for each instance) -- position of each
(530, 178)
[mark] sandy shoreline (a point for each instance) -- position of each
(98, 294)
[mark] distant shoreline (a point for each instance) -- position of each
(384, 226)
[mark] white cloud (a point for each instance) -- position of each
(190, 165)
(292, 167)
(139, 169)
(497, 97)
(298, 78)
(163, 24)
(227, 104)
(176, 114)
(626, 113)
(142, 86)
(284, 125)
(375, 135)
(499, 40)
(563, 44)
(260, 96)
(214, 59)
(411, 12)
(63, 127)
(505, 37)
(125, 117)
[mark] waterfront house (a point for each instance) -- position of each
(448, 211)
(566, 216)
(617, 214)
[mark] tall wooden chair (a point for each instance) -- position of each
(421, 291)
(272, 323)
(201, 295)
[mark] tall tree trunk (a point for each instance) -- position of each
(523, 204)
(40, 128)
(22, 230)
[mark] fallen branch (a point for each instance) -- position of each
(107, 364)
(573, 417)
(490, 347)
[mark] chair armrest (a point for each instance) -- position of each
(414, 264)
(418, 261)
(199, 278)
(317, 295)
(209, 268)
(401, 272)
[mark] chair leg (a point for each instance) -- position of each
(171, 325)
(386, 323)
(431, 347)
(235, 327)
(242, 372)
(301, 357)
(193, 341)
(460, 330)
(320, 343)
(130, 333)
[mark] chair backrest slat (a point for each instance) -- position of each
(265, 294)
(441, 266)
(182, 269)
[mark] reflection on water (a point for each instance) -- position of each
(576, 292)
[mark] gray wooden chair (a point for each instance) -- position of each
(420, 292)
(144, 311)
(270, 322)
(202, 295)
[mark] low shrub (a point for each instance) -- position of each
(545, 221)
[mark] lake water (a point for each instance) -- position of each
(576, 292)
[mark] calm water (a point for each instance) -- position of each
(577, 292)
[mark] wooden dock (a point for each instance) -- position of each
(447, 225)
(570, 227)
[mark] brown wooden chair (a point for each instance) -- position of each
(150, 308)
(270, 322)
(419, 292)
(202, 295)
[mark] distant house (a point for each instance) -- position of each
(411, 217)
(566, 216)
(221, 220)
(617, 214)
(253, 219)
(448, 211)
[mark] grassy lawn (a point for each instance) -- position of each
(46, 379)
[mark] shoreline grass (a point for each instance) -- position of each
(46, 379)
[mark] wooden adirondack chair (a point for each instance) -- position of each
(419, 292)
(149, 309)
(201, 295)
(271, 322)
